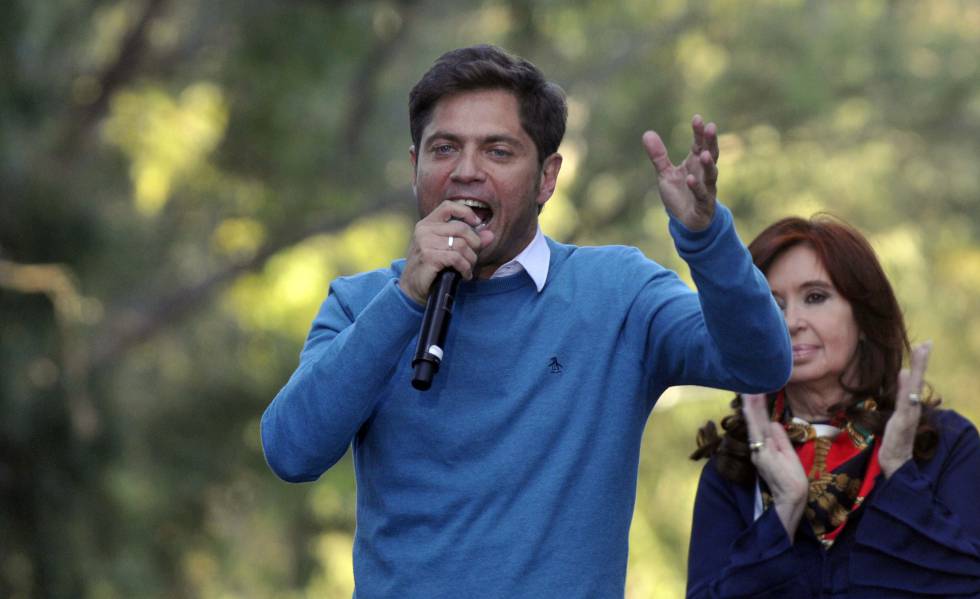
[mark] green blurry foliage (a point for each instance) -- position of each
(181, 180)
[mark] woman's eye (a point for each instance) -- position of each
(815, 298)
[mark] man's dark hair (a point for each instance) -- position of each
(543, 110)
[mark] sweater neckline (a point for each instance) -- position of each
(518, 280)
(498, 285)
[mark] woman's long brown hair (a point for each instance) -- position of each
(855, 271)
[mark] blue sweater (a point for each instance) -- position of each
(916, 535)
(515, 474)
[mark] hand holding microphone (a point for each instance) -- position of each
(435, 325)
(443, 251)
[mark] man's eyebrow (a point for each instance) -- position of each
(443, 135)
(489, 139)
(492, 139)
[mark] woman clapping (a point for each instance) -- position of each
(849, 481)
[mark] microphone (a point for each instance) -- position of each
(435, 324)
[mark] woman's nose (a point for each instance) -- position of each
(794, 321)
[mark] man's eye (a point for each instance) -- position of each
(500, 152)
(442, 149)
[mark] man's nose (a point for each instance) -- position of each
(468, 167)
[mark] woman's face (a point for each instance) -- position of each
(821, 323)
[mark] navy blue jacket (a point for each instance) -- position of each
(917, 535)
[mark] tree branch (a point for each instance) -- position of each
(53, 280)
(127, 329)
(58, 284)
(131, 54)
(362, 88)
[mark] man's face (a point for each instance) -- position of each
(475, 151)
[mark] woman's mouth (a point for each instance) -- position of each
(803, 351)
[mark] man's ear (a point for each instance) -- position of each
(549, 178)
(414, 159)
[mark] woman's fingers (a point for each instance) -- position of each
(917, 367)
(779, 439)
(756, 418)
(899, 439)
(909, 395)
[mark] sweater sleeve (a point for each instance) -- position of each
(729, 557)
(921, 534)
(731, 334)
(349, 356)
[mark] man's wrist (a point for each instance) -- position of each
(689, 241)
(700, 219)
(408, 295)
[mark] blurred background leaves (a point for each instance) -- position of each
(180, 180)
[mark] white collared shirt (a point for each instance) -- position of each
(535, 259)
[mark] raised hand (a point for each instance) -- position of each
(443, 239)
(688, 190)
(775, 458)
(899, 437)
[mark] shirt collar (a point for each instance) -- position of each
(819, 429)
(534, 259)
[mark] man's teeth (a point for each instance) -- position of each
(475, 204)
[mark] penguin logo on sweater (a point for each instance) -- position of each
(554, 365)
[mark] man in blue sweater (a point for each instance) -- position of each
(515, 474)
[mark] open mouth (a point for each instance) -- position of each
(482, 209)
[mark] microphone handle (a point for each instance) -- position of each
(435, 324)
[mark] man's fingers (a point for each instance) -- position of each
(710, 168)
(450, 210)
(657, 152)
(463, 235)
(462, 261)
(460, 257)
(697, 126)
(711, 140)
(698, 188)
(443, 239)
(457, 244)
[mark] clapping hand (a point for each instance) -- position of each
(899, 437)
(688, 190)
(775, 459)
